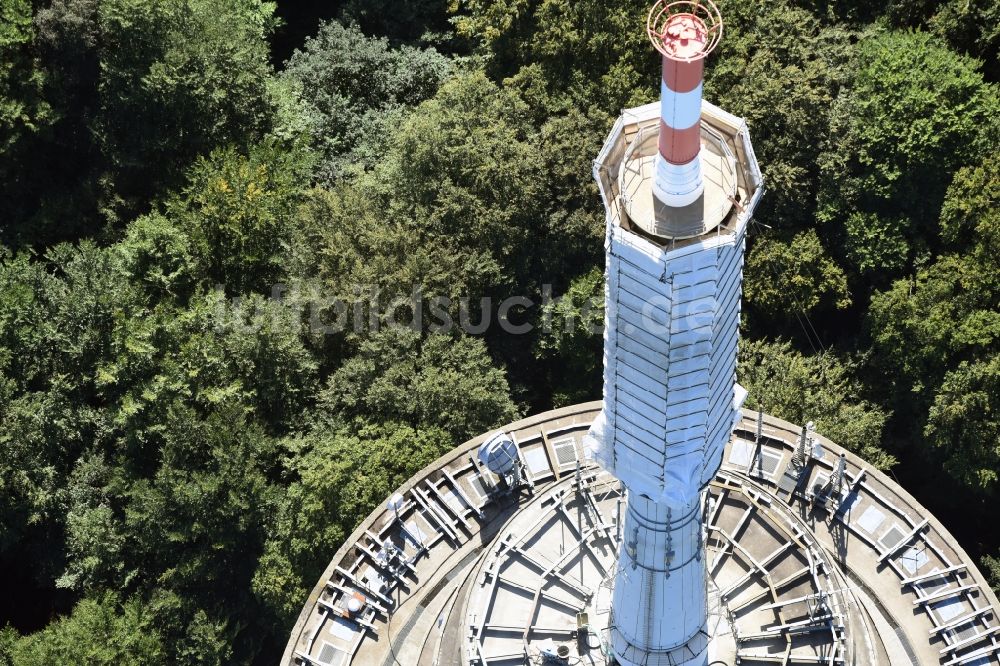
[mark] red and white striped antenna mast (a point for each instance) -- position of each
(684, 33)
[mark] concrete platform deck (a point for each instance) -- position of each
(808, 566)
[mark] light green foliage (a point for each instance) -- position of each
(99, 632)
(235, 211)
(970, 216)
(973, 26)
(991, 569)
(95, 537)
(216, 351)
(23, 112)
(964, 422)
(914, 113)
(355, 89)
(819, 388)
(158, 254)
(8, 639)
(876, 245)
(437, 380)
(785, 279)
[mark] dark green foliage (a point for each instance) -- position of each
(178, 79)
(938, 335)
(23, 111)
(597, 50)
(138, 90)
(571, 339)
(912, 114)
(795, 278)
(437, 380)
(342, 478)
(819, 388)
(964, 422)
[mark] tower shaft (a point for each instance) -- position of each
(670, 403)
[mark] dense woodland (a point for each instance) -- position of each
(189, 187)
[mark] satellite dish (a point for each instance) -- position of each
(499, 454)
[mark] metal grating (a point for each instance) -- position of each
(565, 451)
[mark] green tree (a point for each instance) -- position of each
(138, 91)
(438, 381)
(198, 524)
(991, 568)
(177, 80)
(913, 113)
(596, 50)
(973, 27)
(964, 422)
(571, 339)
(341, 478)
(937, 336)
(778, 68)
(799, 388)
(235, 210)
(23, 110)
(785, 279)
(157, 253)
(99, 632)
(970, 216)
(95, 537)
(356, 89)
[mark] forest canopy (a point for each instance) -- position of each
(253, 256)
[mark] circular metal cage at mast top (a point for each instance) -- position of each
(702, 13)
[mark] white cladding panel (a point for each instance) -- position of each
(669, 363)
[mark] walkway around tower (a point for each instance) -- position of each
(807, 566)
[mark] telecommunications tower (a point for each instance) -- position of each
(675, 241)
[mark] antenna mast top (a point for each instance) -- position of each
(684, 30)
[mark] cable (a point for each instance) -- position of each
(809, 335)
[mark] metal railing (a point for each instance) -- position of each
(636, 168)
